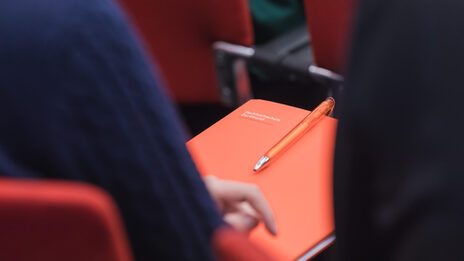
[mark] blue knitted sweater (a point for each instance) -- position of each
(79, 101)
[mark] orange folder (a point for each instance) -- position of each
(297, 185)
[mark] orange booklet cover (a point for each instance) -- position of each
(297, 185)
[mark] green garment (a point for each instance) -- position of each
(274, 17)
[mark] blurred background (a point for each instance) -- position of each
(216, 55)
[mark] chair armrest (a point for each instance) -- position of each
(289, 55)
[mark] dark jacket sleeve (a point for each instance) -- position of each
(79, 101)
(398, 170)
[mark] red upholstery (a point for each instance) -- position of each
(58, 221)
(330, 23)
(180, 34)
(230, 245)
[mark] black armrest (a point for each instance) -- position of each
(289, 55)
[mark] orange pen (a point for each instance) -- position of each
(325, 108)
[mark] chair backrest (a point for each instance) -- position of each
(230, 245)
(55, 221)
(180, 34)
(330, 23)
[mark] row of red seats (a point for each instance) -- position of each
(180, 35)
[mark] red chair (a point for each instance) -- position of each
(181, 33)
(56, 221)
(330, 24)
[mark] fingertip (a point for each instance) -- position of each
(273, 225)
(273, 230)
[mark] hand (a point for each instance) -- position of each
(243, 205)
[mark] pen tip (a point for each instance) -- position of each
(261, 162)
